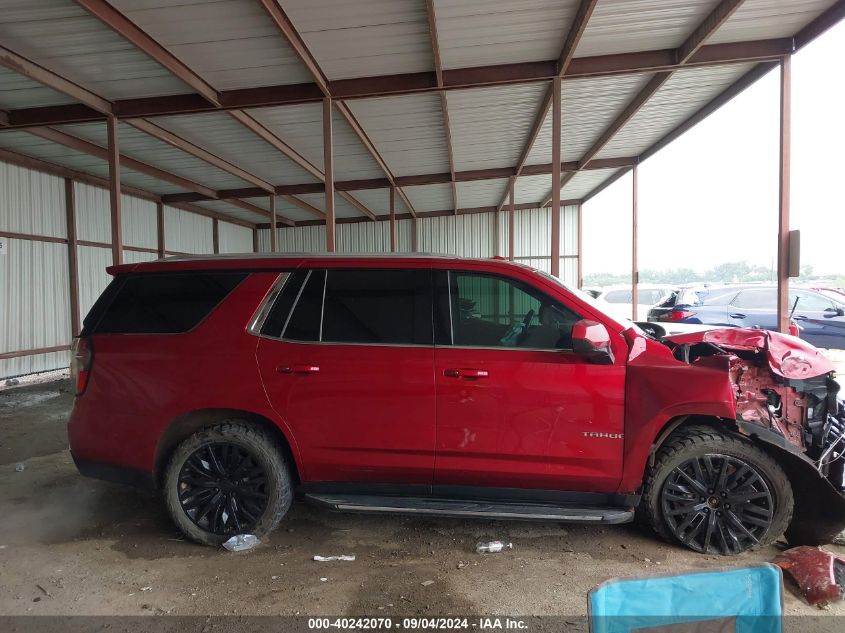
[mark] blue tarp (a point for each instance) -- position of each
(745, 600)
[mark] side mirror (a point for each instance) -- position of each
(591, 340)
(834, 311)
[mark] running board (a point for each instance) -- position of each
(471, 509)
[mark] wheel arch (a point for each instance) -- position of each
(185, 425)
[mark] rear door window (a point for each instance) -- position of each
(160, 303)
(304, 322)
(756, 299)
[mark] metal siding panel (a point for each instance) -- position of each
(620, 26)
(222, 135)
(138, 222)
(764, 19)
(470, 235)
(230, 44)
(408, 132)
(584, 182)
(532, 233)
(93, 213)
(569, 230)
(17, 91)
(404, 232)
(487, 32)
(364, 237)
(234, 238)
(365, 37)
(187, 232)
(34, 286)
(31, 202)
(686, 92)
(481, 193)
(137, 257)
(299, 239)
(587, 108)
(93, 278)
(490, 125)
(65, 38)
(430, 197)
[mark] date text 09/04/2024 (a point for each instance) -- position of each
(432, 623)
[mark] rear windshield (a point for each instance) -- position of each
(159, 303)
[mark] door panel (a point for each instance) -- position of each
(516, 407)
(367, 414)
(351, 371)
(537, 420)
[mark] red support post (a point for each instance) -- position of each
(555, 268)
(580, 245)
(784, 193)
(160, 227)
(635, 273)
(393, 219)
(72, 262)
(273, 227)
(114, 189)
(511, 222)
(328, 169)
(215, 235)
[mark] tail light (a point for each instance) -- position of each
(81, 362)
(793, 328)
(677, 315)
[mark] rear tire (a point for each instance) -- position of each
(225, 480)
(716, 493)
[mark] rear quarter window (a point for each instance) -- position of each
(159, 303)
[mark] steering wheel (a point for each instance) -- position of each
(511, 337)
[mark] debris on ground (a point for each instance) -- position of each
(427, 583)
(329, 559)
(241, 542)
(13, 382)
(820, 575)
(492, 547)
(44, 591)
(20, 467)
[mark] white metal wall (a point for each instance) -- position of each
(469, 235)
(34, 272)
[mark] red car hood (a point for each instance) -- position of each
(788, 356)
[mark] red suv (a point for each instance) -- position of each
(439, 385)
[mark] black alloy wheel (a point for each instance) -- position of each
(717, 504)
(222, 488)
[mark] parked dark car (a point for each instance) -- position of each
(820, 319)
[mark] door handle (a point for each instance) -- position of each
(737, 315)
(799, 317)
(469, 374)
(298, 369)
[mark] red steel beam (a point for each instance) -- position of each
(215, 236)
(392, 219)
(74, 142)
(328, 166)
(784, 192)
(573, 37)
(160, 240)
(511, 222)
(580, 239)
(27, 68)
(273, 224)
(204, 155)
(444, 106)
(826, 20)
(357, 204)
(717, 17)
(305, 206)
(208, 213)
(128, 30)
(555, 211)
(113, 155)
(635, 271)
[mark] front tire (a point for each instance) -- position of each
(225, 480)
(716, 493)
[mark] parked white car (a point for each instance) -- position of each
(618, 299)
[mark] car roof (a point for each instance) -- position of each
(282, 261)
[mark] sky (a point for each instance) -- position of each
(712, 195)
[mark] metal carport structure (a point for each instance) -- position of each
(401, 124)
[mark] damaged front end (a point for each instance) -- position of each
(786, 398)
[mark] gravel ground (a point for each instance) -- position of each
(76, 546)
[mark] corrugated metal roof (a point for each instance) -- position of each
(586, 108)
(624, 26)
(231, 44)
(227, 208)
(481, 193)
(301, 127)
(430, 197)
(584, 182)
(487, 32)
(365, 37)
(378, 201)
(490, 125)
(530, 189)
(763, 19)
(680, 97)
(65, 38)
(141, 146)
(17, 91)
(222, 135)
(408, 132)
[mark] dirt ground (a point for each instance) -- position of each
(76, 546)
